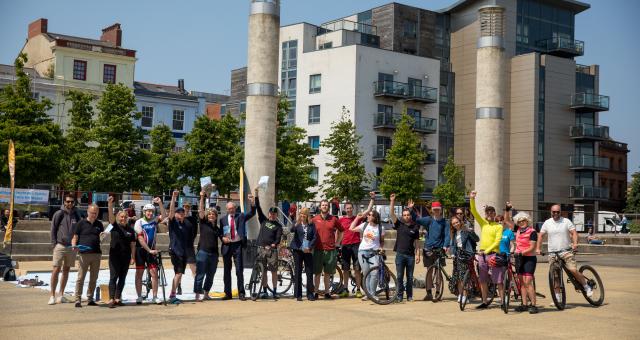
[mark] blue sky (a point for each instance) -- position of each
(202, 41)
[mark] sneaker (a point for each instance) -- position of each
(328, 296)
(156, 301)
(61, 299)
(344, 294)
(533, 309)
(358, 294)
(92, 303)
(482, 306)
(464, 299)
(558, 297)
(428, 297)
(588, 290)
(78, 305)
(399, 298)
(409, 299)
(174, 301)
(521, 308)
(365, 299)
(139, 300)
(459, 298)
(52, 300)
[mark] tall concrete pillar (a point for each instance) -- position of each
(262, 99)
(490, 113)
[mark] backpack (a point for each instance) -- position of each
(58, 218)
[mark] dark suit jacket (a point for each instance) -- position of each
(241, 220)
(298, 236)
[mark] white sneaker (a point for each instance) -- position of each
(156, 301)
(139, 300)
(589, 291)
(60, 298)
(463, 299)
(52, 300)
(459, 298)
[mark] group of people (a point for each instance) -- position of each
(316, 241)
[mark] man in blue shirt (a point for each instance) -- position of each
(435, 243)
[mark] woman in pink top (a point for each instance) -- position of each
(526, 238)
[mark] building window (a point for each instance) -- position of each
(314, 175)
(178, 148)
(223, 110)
(314, 114)
(109, 74)
(326, 45)
(178, 120)
(145, 146)
(315, 83)
(291, 115)
(79, 70)
(147, 116)
(243, 107)
(314, 143)
(410, 29)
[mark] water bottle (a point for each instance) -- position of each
(37, 281)
(97, 295)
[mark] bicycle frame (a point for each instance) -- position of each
(559, 261)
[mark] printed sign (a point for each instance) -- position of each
(25, 196)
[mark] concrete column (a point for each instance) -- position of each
(262, 100)
(490, 103)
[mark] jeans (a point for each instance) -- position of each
(408, 263)
(366, 264)
(234, 252)
(206, 265)
(301, 258)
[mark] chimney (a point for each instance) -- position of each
(181, 86)
(37, 27)
(112, 34)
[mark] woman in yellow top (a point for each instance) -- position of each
(490, 236)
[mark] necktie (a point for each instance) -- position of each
(233, 227)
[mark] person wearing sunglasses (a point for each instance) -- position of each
(62, 226)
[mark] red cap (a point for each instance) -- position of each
(436, 204)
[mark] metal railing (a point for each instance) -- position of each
(589, 131)
(380, 152)
(342, 24)
(405, 91)
(590, 101)
(561, 45)
(390, 120)
(588, 162)
(588, 192)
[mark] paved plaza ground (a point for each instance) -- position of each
(25, 314)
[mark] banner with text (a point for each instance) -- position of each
(25, 196)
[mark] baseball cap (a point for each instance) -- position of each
(436, 205)
(273, 210)
(180, 210)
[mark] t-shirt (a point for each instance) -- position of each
(523, 240)
(180, 236)
(349, 237)
(505, 241)
(326, 230)
(559, 233)
(459, 240)
(490, 232)
(208, 236)
(121, 238)
(370, 236)
(89, 235)
(270, 233)
(406, 235)
(148, 230)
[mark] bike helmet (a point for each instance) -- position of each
(148, 207)
(493, 262)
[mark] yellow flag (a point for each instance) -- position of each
(12, 174)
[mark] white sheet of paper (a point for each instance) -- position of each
(109, 228)
(263, 182)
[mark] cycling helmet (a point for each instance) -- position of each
(493, 262)
(148, 207)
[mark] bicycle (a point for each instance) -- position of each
(471, 283)
(438, 273)
(556, 281)
(147, 282)
(511, 283)
(384, 281)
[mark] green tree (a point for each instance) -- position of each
(451, 192)
(402, 172)
(77, 155)
(161, 177)
(38, 141)
(118, 163)
(347, 176)
(294, 159)
(633, 197)
(212, 149)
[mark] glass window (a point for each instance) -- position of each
(223, 109)
(178, 120)
(314, 142)
(79, 70)
(291, 116)
(314, 175)
(147, 116)
(109, 74)
(410, 29)
(243, 107)
(315, 83)
(314, 114)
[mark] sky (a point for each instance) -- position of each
(202, 41)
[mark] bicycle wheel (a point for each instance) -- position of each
(467, 290)
(492, 292)
(438, 284)
(507, 284)
(162, 280)
(556, 286)
(336, 281)
(285, 278)
(255, 282)
(380, 285)
(594, 281)
(147, 284)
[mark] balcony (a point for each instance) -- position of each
(588, 162)
(561, 47)
(348, 25)
(590, 132)
(380, 152)
(588, 193)
(589, 102)
(430, 155)
(404, 91)
(429, 185)
(386, 120)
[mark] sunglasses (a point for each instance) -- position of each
(68, 201)
(555, 212)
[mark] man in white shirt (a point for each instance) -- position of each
(563, 238)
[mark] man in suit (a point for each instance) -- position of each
(234, 239)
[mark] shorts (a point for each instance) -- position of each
(191, 255)
(497, 273)
(271, 255)
(63, 256)
(325, 261)
(527, 265)
(178, 262)
(569, 260)
(350, 255)
(144, 259)
(430, 256)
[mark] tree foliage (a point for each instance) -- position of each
(347, 177)
(402, 172)
(77, 160)
(294, 159)
(161, 174)
(451, 192)
(212, 149)
(38, 141)
(633, 197)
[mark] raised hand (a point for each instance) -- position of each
(372, 195)
(473, 194)
(110, 199)
(175, 194)
(157, 200)
(392, 197)
(410, 204)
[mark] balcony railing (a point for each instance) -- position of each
(588, 131)
(562, 47)
(589, 102)
(380, 152)
(342, 24)
(398, 90)
(430, 155)
(387, 120)
(588, 162)
(588, 192)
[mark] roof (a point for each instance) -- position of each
(575, 6)
(158, 90)
(111, 48)
(211, 97)
(11, 70)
